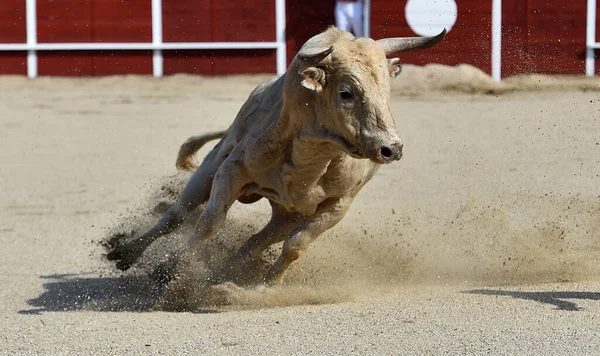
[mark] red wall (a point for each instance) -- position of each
(219, 21)
(130, 21)
(12, 30)
(94, 21)
(542, 36)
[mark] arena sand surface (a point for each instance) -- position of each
(484, 238)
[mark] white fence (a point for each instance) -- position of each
(157, 45)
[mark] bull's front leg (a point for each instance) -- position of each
(329, 213)
(279, 227)
(227, 186)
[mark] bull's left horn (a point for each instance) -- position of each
(405, 44)
(314, 55)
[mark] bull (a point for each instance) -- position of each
(308, 141)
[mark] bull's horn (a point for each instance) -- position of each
(405, 44)
(314, 55)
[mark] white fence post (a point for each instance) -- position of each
(367, 18)
(157, 57)
(590, 38)
(497, 39)
(31, 26)
(280, 36)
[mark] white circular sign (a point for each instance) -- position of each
(430, 17)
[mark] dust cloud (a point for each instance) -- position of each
(518, 239)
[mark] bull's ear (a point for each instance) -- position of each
(314, 79)
(394, 67)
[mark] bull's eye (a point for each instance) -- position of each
(346, 95)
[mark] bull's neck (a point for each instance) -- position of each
(310, 146)
(298, 124)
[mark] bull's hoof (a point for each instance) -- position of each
(124, 255)
(165, 272)
(272, 277)
(124, 264)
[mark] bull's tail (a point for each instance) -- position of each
(185, 158)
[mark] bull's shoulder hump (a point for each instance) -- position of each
(268, 91)
(260, 109)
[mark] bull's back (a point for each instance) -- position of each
(260, 110)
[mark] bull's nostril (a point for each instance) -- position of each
(386, 152)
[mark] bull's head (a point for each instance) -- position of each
(351, 79)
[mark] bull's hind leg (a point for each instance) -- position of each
(195, 193)
(329, 213)
(277, 229)
(227, 187)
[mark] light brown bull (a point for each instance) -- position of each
(308, 141)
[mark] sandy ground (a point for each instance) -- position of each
(484, 238)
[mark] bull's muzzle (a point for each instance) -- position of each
(389, 153)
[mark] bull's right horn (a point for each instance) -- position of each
(314, 55)
(405, 44)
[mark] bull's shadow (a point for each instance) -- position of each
(557, 299)
(76, 292)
